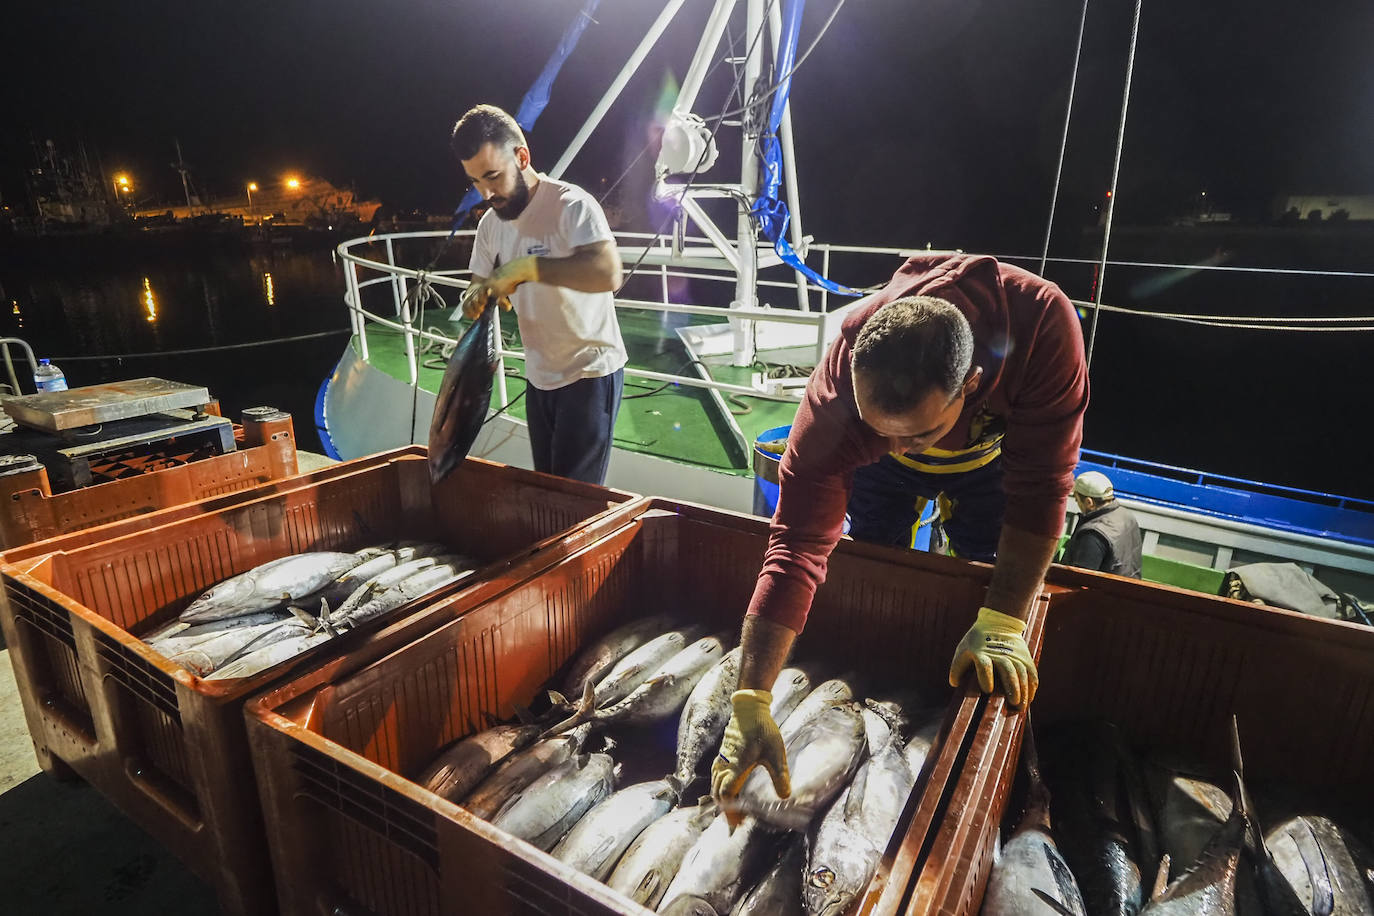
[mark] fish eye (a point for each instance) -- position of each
(822, 877)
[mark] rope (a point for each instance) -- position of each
(1116, 172)
(1064, 140)
(237, 346)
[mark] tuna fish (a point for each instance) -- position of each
(210, 654)
(269, 585)
(653, 859)
(821, 758)
(600, 838)
(523, 768)
(718, 865)
(704, 718)
(611, 648)
(779, 892)
(855, 830)
(829, 693)
(459, 768)
(269, 656)
(1031, 867)
(464, 397)
(661, 696)
(393, 596)
(1327, 869)
(790, 687)
(545, 810)
(1209, 887)
(637, 666)
(187, 636)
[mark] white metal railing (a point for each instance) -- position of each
(643, 247)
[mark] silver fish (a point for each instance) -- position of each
(790, 687)
(402, 592)
(821, 756)
(717, 865)
(666, 689)
(855, 830)
(187, 635)
(636, 667)
(611, 648)
(460, 767)
(1208, 888)
(206, 656)
(779, 892)
(923, 739)
(653, 859)
(1329, 871)
(545, 810)
(271, 655)
(1030, 866)
(523, 768)
(268, 585)
(829, 693)
(600, 838)
(704, 718)
(396, 572)
(689, 906)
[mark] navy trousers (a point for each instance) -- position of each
(571, 427)
(883, 505)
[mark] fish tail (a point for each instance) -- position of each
(585, 709)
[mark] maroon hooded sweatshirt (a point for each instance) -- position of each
(1027, 338)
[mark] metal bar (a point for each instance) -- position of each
(746, 293)
(789, 166)
(617, 85)
(701, 60)
(397, 278)
(825, 272)
(717, 238)
(28, 351)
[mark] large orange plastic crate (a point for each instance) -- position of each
(1170, 667)
(351, 834)
(168, 748)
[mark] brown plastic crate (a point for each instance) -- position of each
(109, 529)
(351, 834)
(1169, 667)
(34, 512)
(168, 748)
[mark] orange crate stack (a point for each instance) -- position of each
(1169, 667)
(169, 748)
(334, 748)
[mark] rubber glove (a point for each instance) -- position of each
(995, 643)
(751, 739)
(499, 285)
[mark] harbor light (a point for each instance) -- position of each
(293, 183)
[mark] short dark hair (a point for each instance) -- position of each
(911, 347)
(485, 124)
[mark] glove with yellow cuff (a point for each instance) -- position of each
(995, 643)
(499, 286)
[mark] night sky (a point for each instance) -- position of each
(936, 122)
(933, 121)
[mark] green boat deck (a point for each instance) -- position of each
(672, 421)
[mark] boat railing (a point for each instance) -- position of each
(372, 263)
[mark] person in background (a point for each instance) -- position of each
(544, 248)
(1107, 537)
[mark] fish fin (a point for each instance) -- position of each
(610, 744)
(1052, 903)
(329, 627)
(677, 784)
(585, 708)
(304, 616)
(1238, 764)
(523, 714)
(1161, 879)
(1323, 897)
(671, 790)
(557, 699)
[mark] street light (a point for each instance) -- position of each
(121, 183)
(293, 183)
(252, 186)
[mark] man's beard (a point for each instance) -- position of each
(511, 207)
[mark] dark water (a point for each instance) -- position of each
(1284, 408)
(89, 312)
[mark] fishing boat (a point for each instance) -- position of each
(728, 307)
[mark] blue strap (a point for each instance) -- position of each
(537, 98)
(768, 210)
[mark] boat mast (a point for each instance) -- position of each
(182, 170)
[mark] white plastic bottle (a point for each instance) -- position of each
(49, 377)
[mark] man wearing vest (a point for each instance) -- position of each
(1107, 537)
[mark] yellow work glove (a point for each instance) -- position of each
(995, 643)
(499, 286)
(751, 739)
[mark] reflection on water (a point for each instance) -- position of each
(149, 300)
(116, 320)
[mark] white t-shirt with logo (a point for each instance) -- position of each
(567, 335)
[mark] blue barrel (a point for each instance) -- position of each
(766, 463)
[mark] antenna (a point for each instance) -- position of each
(182, 170)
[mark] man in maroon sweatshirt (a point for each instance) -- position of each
(962, 377)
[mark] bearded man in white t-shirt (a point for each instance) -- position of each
(544, 247)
